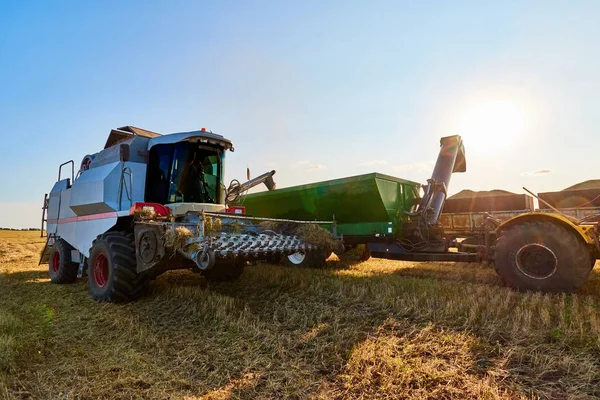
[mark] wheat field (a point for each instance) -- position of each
(378, 329)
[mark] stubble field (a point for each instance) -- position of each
(378, 329)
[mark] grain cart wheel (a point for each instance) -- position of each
(306, 259)
(542, 256)
(60, 266)
(112, 272)
(358, 253)
(225, 270)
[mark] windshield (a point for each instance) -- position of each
(184, 172)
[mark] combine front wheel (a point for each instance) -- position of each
(112, 272)
(542, 256)
(60, 266)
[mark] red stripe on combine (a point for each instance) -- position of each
(83, 218)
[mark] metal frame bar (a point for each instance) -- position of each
(72, 169)
(439, 257)
(249, 218)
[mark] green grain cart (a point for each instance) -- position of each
(384, 212)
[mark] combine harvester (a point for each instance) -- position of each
(149, 203)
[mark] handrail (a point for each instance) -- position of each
(128, 191)
(72, 169)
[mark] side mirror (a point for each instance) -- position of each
(124, 150)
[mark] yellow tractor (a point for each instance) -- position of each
(545, 251)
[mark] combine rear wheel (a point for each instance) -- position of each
(225, 271)
(60, 267)
(112, 272)
(542, 256)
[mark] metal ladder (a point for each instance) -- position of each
(45, 255)
(44, 215)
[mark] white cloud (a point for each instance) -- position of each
(539, 172)
(422, 166)
(306, 165)
(372, 162)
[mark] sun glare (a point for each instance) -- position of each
(492, 124)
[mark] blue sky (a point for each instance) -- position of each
(313, 89)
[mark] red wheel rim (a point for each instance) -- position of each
(55, 261)
(101, 270)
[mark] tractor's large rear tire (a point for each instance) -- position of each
(225, 271)
(542, 256)
(112, 272)
(60, 267)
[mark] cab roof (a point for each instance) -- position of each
(193, 136)
(128, 132)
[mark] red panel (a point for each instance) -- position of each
(236, 210)
(159, 209)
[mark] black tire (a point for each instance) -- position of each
(358, 253)
(112, 275)
(59, 269)
(311, 259)
(225, 271)
(542, 256)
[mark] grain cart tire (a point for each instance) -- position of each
(111, 271)
(542, 256)
(225, 271)
(318, 258)
(306, 259)
(358, 253)
(60, 267)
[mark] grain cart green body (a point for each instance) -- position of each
(363, 206)
(387, 214)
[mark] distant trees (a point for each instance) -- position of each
(17, 229)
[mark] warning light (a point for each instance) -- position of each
(203, 129)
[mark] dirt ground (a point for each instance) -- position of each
(378, 329)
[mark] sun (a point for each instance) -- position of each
(492, 124)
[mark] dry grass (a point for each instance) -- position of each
(175, 239)
(317, 236)
(144, 214)
(379, 329)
